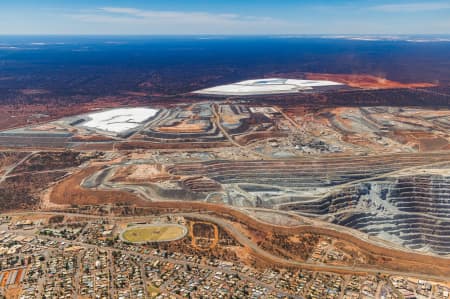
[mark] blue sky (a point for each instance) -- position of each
(224, 17)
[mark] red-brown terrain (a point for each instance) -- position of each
(365, 81)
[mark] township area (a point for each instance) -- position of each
(327, 187)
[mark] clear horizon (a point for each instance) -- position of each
(233, 17)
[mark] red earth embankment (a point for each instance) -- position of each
(365, 81)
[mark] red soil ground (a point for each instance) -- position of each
(69, 192)
(27, 114)
(365, 81)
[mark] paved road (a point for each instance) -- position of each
(244, 240)
(175, 261)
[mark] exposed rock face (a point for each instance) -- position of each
(410, 210)
(392, 197)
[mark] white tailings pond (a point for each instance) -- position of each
(267, 86)
(120, 119)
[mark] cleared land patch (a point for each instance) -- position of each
(153, 233)
(365, 81)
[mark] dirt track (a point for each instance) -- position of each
(70, 192)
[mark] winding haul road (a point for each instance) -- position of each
(103, 182)
(258, 251)
(261, 253)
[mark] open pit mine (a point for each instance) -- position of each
(251, 177)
